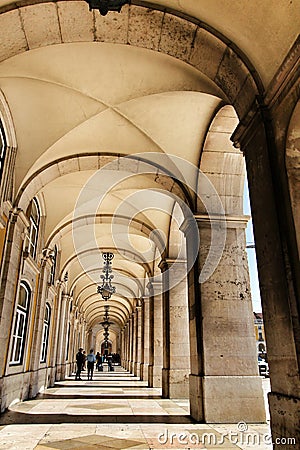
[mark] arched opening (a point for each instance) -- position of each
(80, 110)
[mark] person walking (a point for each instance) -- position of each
(84, 359)
(90, 364)
(98, 361)
(79, 362)
(110, 363)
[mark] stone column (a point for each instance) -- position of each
(144, 372)
(231, 387)
(149, 324)
(71, 364)
(62, 336)
(91, 340)
(157, 334)
(176, 326)
(56, 326)
(195, 325)
(38, 324)
(278, 287)
(9, 277)
(138, 338)
(124, 347)
(127, 345)
(135, 340)
(165, 330)
(121, 346)
(142, 324)
(132, 347)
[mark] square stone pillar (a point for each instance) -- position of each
(142, 340)
(275, 239)
(138, 339)
(176, 368)
(232, 389)
(179, 336)
(62, 336)
(132, 343)
(157, 335)
(146, 339)
(224, 382)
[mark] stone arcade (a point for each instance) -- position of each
(131, 133)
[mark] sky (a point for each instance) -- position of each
(251, 255)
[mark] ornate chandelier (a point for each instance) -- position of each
(106, 289)
(106, 5)
(106, 324)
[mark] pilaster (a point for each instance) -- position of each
(275, 251)
(157, 336)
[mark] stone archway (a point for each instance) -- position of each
(293, 166)
(220, 63)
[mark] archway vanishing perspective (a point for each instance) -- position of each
(130, 134)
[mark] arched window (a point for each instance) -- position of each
(20, 326)
(34, 218)
(45, 337)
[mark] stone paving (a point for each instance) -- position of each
(117, 411)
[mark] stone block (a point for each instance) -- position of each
(179, 383)
(12, 37)
(233, 399)
(224, 124)
(113, 27)
(285, 414)
(219, 142)
(144, 27)
(88, 162)
(177, 36)
(231, 74)
(196, 398)
(207, 53)
(41, 25)
(157, 376)
(76, 21)
(68, 166)
(245, 97)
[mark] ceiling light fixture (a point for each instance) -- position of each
(104, 6)
(106, 289)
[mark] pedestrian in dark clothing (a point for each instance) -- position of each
(79, 362)
(98, 361)
(90, 364)
(109, 362)
(84, 359)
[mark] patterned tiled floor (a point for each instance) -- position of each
(117, 411)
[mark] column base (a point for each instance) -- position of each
(231, 399)
(150, 376)
(143, 372)
(165, 383)
(178, 383)
(196, 398)
(284, 411)
(136, 369)
(157, 376)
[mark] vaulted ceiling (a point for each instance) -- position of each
(80, 98)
